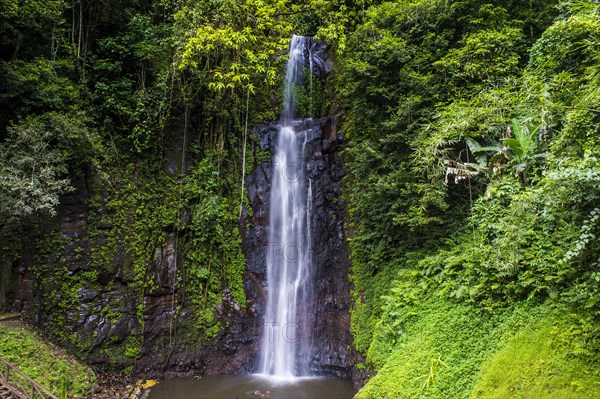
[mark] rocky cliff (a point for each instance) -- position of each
(331, 336)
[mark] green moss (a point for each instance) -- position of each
(543, 360)
(44, 362)
(433, 355)
(134, 349)
(452, 350)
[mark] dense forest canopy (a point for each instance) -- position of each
(472, 161)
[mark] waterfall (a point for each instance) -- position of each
(286, 344)
(310, 75)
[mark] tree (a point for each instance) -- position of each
(34, 163)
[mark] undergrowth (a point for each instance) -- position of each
(45, 363)
(452, 350)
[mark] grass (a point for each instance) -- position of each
(435, 356)
(451, 351)
(45, 363)
(541, 361)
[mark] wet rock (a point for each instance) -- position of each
(165, 349)
(162, 269)
(331, 324)
(87, 294)
(322, 62)
(329, 146)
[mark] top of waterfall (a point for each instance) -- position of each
(294, 76)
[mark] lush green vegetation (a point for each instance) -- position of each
(449, 350)
(473, 192)
(141, 109)
(473, 170)
(47, 364)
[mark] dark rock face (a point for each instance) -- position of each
(331, 304)
(170, 347)
(322, 62)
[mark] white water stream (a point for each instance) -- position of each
(286, 344)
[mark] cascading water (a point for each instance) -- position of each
(305, 325)
(286, 343)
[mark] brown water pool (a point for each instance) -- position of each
(252, 386)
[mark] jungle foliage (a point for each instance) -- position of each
(140, 111)
(473, 169)
(473, 187)
(47, 364)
